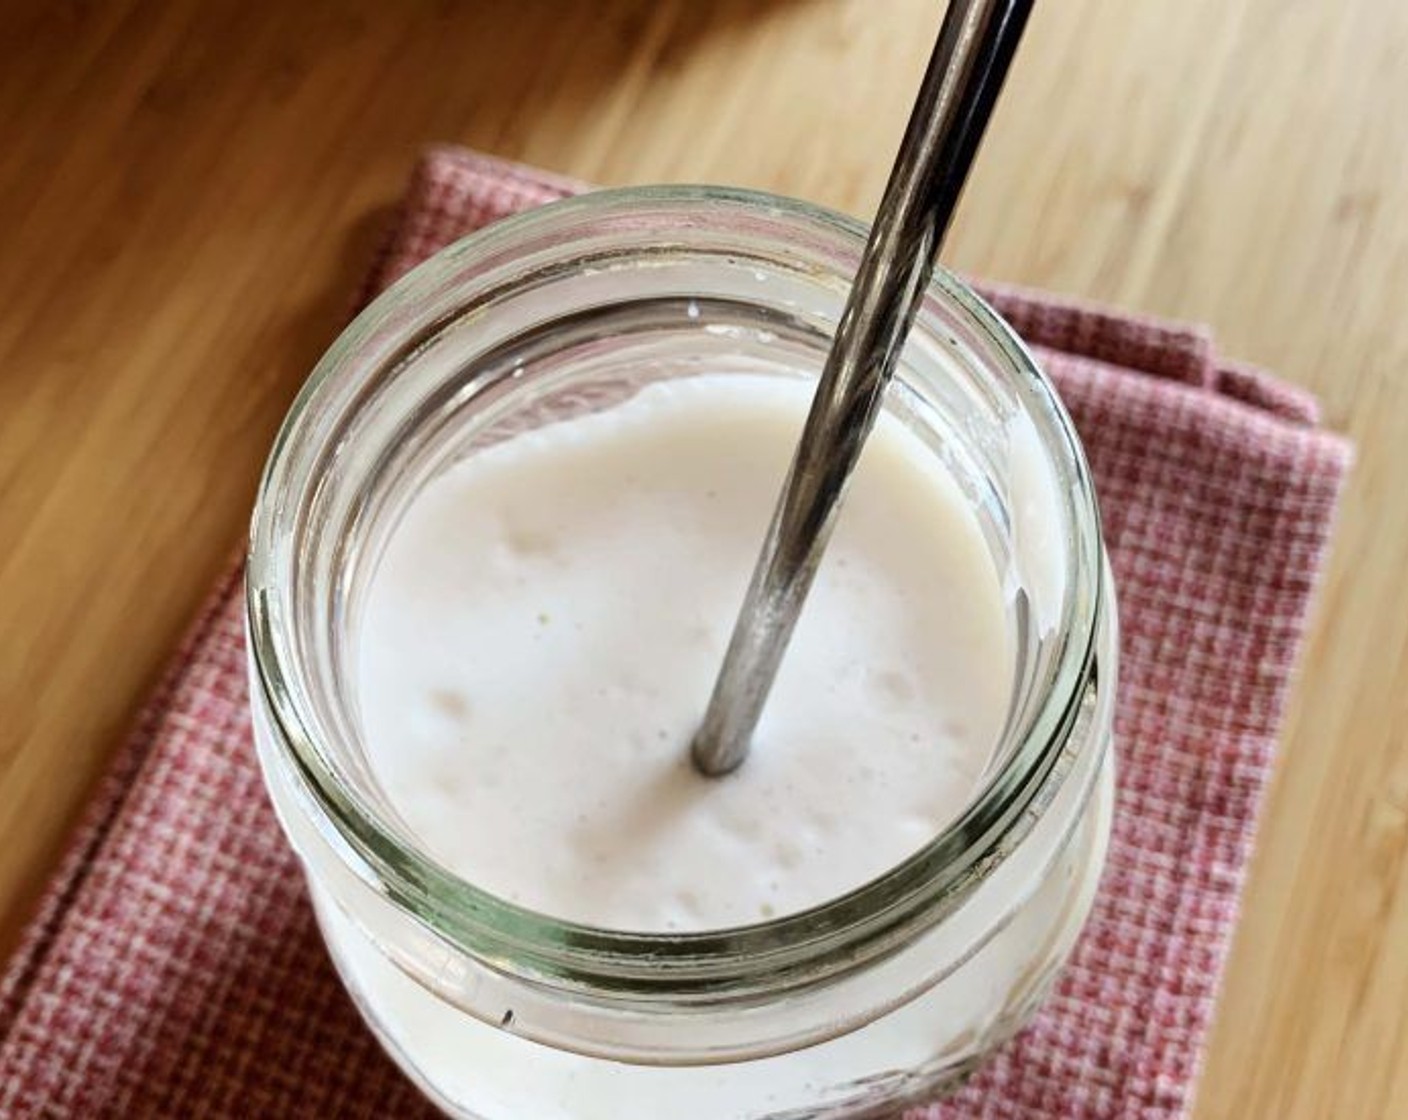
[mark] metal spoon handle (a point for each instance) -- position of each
(970, 59)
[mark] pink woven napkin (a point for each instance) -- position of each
(173, 968)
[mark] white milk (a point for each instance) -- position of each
(536, 651)
(544, 628)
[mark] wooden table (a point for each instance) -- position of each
(189, 188)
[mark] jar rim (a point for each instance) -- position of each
(868, 921)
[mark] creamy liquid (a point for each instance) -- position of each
(542, 633)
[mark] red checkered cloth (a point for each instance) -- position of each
(173, 968)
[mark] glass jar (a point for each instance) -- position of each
(881, 997)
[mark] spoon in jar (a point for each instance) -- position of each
(970, 60)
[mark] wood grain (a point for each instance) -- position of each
(189, 189)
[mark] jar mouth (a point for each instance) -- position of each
(870, 921)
